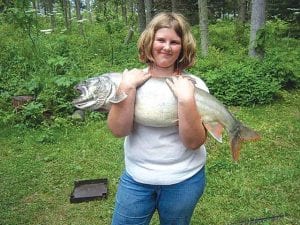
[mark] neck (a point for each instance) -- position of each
(156, 71)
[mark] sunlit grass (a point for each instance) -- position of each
(38, 168)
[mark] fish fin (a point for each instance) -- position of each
(215, 129)
(235, 145)
(241, 134)
(248, 134)
(118, 98)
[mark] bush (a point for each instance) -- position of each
(250, 82)
(48, 66)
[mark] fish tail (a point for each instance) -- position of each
(241, 134)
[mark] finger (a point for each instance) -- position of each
(190, 79)
(146, 76)
(173, 79)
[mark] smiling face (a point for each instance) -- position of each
(166, 48)
(168, 27)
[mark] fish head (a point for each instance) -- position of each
(94, 93)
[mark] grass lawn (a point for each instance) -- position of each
(38, 168)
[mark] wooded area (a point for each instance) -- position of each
(137, 13)
(248, 53)
(48, 46)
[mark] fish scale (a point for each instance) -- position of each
(156, 106)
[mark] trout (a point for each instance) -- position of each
(156, 106)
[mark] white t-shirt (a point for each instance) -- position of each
(157, 156)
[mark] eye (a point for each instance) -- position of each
(161, 40)
(175, 42)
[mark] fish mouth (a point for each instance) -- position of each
(83, 103)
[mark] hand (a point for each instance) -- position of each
(182, 87)
(134, 78)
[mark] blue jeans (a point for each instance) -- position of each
(136, 202)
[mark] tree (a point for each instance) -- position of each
(141, 15)
(124, 10)
(242, 11)
(148, 8)
(241, 20)
(52, 15)
(77, 6)
(256, 45)
(66, 11)
(89, 9)
(203, 21)
(174, 6)
(79, 16)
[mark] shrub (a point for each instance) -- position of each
(57, 94)
(250, 82)
(48, 66)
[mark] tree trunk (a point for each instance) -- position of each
(129, 36)
(79, 16)
(124, 10)
(203, 21)
(174, 6)
(52, 16)
(78, 13)
(257, 23)
(242, 11)
(240, 22)
(132, 7)
(65, 7)
(141, 15)
(116, 4)
(148, 9)
(70, 12)
(88, 7)
(34, 5)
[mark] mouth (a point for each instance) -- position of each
(166, 53)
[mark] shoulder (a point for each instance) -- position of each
(199, 82)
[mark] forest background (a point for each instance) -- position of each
(248, 54)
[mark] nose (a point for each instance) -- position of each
(167, 47)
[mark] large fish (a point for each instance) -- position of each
(156, 106)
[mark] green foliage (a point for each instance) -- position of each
(277, 28)
(260, 42)
(251, 82)
(38, 168)
(246, 83)
(47, 66)
(238, 80)
(57, 95)
(32, 113)
(20, 16)
(220, 35)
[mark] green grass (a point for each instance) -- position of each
(38, 168)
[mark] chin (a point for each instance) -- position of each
(165, 65)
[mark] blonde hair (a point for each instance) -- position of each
(181, 27)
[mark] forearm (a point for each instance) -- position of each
(191, 129)
(120, 117)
